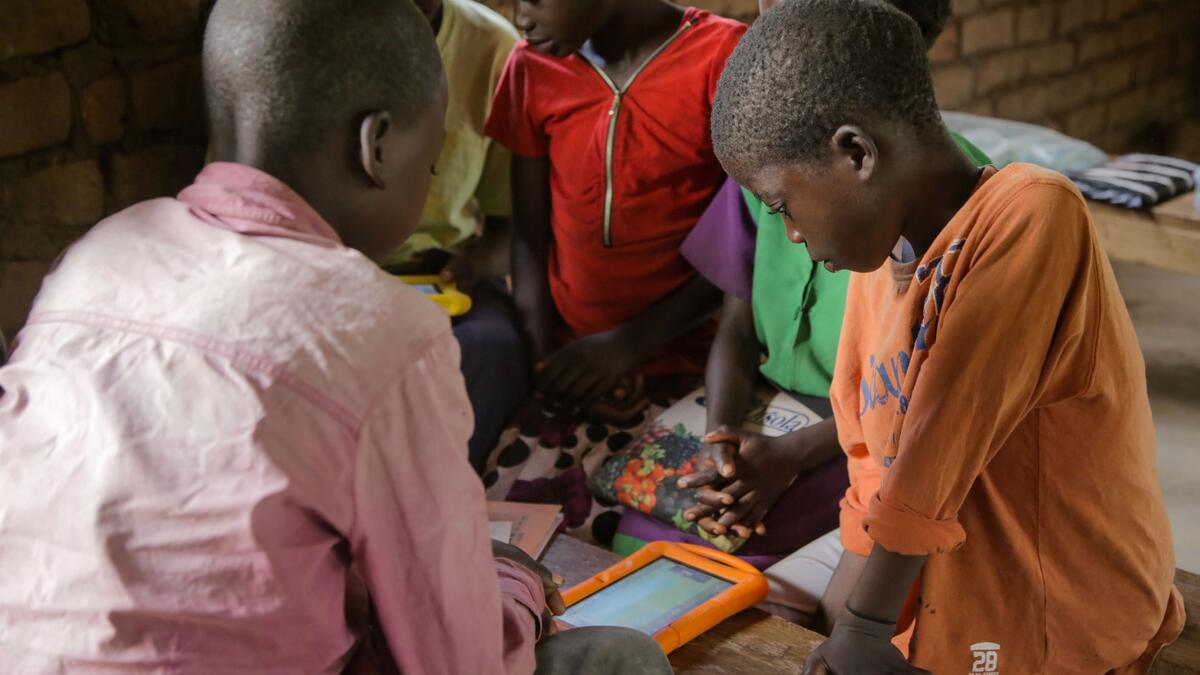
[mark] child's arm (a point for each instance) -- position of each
(591, 367)
(420, 532)
(761, 471)
(488, 257)
(861, 641)
(763, 467)
(530, 253)
(729, 387)
(837, 593)
(730, 376)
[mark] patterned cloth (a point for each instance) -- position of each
(546, 458)
(1137, 181)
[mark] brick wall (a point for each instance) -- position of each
(1119, 73)
(100, 103)
(100, 107)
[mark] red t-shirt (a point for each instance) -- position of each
(607, 269)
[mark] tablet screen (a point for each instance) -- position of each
(649, 599)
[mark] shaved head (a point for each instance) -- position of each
(930, 15)
(285, 74)
(342, 100)
(806, 68)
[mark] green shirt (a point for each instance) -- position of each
(798, 305)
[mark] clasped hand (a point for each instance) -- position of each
(740, 475)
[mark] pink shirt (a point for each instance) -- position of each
(214, 408)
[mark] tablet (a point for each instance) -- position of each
(448, 296)
(672, 592)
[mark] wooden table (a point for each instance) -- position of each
(1167, 236)
(750, 643)
(1183, 656)
(757, 643)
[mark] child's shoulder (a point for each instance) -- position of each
(714, 28)
(475, 22)
(1032, 201)
(380, 327)
(708, 43)
(709, 21)
(525, 59)
(1023, 188)
(1021, 176)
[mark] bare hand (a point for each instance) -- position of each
(460, 272)
(484, 257)
(762, 470)
(859, 647)
(538, 327)
(582, 372)
(550, 582)
(716, 463)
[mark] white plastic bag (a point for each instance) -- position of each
(1006, 142)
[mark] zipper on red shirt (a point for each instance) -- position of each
(613, 113)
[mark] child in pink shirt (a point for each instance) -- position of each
(220, 404)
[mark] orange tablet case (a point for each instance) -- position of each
(749, 587)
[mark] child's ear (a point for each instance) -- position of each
(854, 150)
(371, 132)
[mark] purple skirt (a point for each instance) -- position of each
(806, 511)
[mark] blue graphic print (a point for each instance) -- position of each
(884, 378)
(940, 267)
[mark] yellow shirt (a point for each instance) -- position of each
(472, 171)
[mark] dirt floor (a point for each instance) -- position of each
(1166, 314)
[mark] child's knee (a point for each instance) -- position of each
(601, 650)
(493, 346)
(636, 651)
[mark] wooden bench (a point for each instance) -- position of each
(755, 642)
(1167, 236)
(1183, 656)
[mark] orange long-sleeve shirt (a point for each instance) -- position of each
(992, 399)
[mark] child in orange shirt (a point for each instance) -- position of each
(989, 390)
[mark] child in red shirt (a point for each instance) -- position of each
(605, 107)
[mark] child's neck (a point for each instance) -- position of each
(315, 180)
(945, 182)
(633, 31)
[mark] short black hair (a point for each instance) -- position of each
(292, 70)
(931, 16)
(809, 66)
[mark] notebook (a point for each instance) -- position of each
(529, 527)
